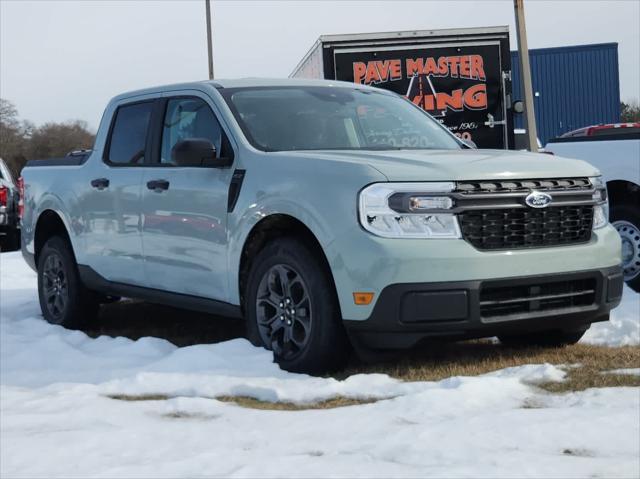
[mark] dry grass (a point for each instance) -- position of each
(190, 415)
(431, 362)
(467, 359)
(138, 397)
(248, 402)
(440, 361)
(253, 403)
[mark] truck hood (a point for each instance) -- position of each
(451, 165)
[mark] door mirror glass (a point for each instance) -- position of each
(194, 152)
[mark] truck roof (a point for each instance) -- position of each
(243, 83)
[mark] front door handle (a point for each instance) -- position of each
(100, 183)
(158, 185)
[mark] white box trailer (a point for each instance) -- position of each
(462, 77)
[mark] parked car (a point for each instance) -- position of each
(615, 150)
(329, 215)
(9, 222)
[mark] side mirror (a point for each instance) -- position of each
(196, 152)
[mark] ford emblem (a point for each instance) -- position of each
(537, 199)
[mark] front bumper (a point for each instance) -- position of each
(360, 261)
(407, 313)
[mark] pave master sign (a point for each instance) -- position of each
(456, 76)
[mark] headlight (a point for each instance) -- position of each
(408, 210)
(601, 209)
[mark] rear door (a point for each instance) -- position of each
(185, 208)
(113, 204)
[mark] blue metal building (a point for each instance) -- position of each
(573, 87)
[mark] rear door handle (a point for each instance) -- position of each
(158, 185)
(100, 183)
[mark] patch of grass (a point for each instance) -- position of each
(138, 397)
(252, 403)
(189, 415)
(248, 402)
(582, 378)
(434, 362)
(439, 361)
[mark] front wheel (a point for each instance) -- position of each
(292, 309)
(547, 339)
(63, 298)
(626, 220)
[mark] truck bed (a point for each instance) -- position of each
(72, 159)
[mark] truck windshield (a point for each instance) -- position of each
(336, 118)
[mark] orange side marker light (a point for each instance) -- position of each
(362, 299)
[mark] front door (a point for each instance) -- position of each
(185, 208)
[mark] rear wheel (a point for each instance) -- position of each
(292, 309)
(63, 298)
(549, 339)
(626, 220)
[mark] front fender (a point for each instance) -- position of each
(321, 196)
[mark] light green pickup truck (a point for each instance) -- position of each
(327, 215)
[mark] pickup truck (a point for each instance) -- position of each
(615, 150)
(9, 221)
(332, 217)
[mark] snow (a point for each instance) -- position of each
(56, 418)
(623, 328)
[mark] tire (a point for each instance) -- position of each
(306, 333)
(546, 339)
(626, 220)
(63, 298)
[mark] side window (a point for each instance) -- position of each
(129, 134)
(187, 118)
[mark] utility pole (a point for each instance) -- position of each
(209, 40)
(525, 74)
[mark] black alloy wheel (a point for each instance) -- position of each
(55, 286)
(63, 298)
(284, 312)
(292, 308)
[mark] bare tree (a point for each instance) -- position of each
(21, 141)
(58, 139)
(13, 137)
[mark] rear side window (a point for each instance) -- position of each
(129, 134)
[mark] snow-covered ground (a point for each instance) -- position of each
(56, 418)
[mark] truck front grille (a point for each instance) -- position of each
(530, 299)
(493, 215)
(527, 228)
(523, 186)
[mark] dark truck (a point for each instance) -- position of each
(9, 205)
(462, 77)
